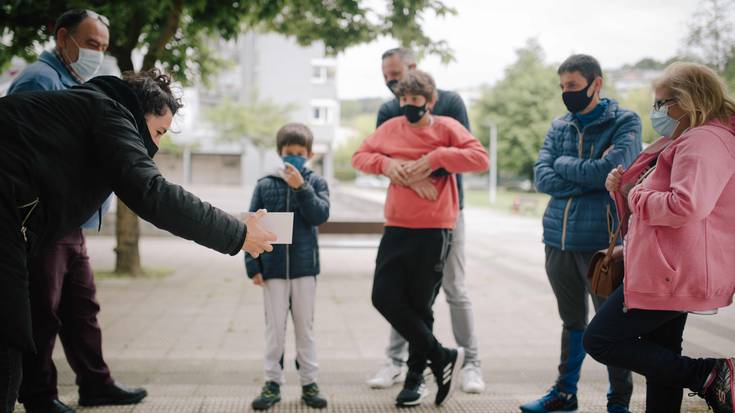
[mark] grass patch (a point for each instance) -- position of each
(148, 274)
(515, 202)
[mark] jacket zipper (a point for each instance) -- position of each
(23, 228)
(580, 149)
(564, 224)
(288, 258)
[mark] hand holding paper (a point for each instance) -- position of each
(258, 239)
(280, 224)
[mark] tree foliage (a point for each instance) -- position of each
(522, 106)
(712, 32)
(174, 33)
(257, 120)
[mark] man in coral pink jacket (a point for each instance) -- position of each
(417, 236)
(680, 244)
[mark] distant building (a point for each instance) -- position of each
(272, 67)
(626, 80)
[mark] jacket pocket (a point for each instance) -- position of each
(646, 268)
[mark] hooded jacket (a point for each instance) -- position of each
(63, 153)
(680, 244)
(311, 209)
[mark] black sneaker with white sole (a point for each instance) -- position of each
(447, 374)
(414, 391)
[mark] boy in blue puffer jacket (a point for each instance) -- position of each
(288, 274)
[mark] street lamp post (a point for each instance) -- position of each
(493, 158)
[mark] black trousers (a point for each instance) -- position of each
(408, 274)
(11, 359)
(649, 343)
(15, 313)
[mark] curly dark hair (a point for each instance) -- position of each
(416, 82)
(153, 89)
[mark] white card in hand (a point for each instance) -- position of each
(279, 223)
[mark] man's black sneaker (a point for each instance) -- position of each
(718, 389)
(310, 395)
(269, 395)
(414, 390)
(447, 374)
(110, 394)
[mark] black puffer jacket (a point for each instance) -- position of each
(68, 150)
(311, 209)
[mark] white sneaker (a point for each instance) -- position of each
(472, 381)
(387, 376)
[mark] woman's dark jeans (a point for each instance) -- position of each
(647, 342)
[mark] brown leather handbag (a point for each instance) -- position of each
(607, 268)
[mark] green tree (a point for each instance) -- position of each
(712, 32)
(522, 106)
(361, 125)
(257, 120)
(639, 101)
(173, 34)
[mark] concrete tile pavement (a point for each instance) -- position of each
(195, 339)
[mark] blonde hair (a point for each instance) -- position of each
(698, 91)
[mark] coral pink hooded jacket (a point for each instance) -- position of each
(680, 244)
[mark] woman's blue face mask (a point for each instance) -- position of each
(662, 123)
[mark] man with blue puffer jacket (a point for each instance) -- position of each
(288, 275)
(580, 149)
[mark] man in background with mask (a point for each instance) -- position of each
(580, 149)
(395, 64)
(61, 281)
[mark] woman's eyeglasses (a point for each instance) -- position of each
(657, 105)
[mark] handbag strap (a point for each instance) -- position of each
(613, 235)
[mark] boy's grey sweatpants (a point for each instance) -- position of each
(567, 272)
(460, 306)
(297, 296)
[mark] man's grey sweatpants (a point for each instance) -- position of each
(460, 307)
(567, 272)
(298, 296)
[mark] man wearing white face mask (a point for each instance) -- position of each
(61, 281)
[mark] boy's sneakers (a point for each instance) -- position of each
(310, 395)
(553, 401)
(718, 389)
(270, 395)
(387, 376)
(447, 373)
(472, 381)
(414, 391)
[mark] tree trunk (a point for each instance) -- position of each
(127, 228)
(127, 225)
(128, 234)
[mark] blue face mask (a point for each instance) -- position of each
(297, 161)
(662, 123)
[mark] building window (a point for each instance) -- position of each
(321, 115)
(318, 74)
(323, 70)
(323, 111)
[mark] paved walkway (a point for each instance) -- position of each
(195, 338)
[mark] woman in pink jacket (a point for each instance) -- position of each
(677, 203)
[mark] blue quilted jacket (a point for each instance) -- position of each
(572, 170)
(311, 209)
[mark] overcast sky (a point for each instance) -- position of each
(485, 34)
